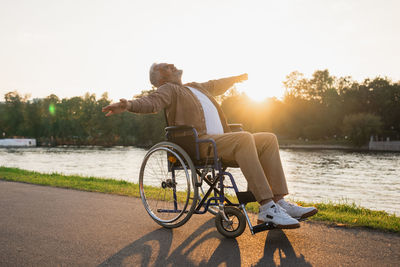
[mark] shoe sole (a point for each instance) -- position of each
(281, 226)
(308, 214)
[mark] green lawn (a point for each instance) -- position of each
(343, 214)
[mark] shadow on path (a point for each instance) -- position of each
(277, 241)
(154, 249)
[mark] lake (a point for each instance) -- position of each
(368, 179)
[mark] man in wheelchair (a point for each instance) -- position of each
(256, 154)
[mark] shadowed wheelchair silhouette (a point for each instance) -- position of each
(155, 249)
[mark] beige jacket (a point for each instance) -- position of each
(181, 106)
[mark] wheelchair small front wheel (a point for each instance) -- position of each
(236, 224)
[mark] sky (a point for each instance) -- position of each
(72, 47)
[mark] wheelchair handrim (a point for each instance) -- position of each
(141, 186)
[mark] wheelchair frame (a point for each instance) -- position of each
(212, 174)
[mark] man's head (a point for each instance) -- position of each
(163, 73)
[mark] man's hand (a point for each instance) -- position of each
(116, 108)
(242, 77)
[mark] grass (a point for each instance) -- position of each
(91, 184)
(342, 214)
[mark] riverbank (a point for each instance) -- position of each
(341, 214)
(321, 146)
(372, 146)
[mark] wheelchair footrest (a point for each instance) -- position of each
(245, 197)
(263, 227)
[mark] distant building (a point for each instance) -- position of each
(384, 145)
(17, 142)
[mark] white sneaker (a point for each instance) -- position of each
(273, 213)
(295, 211)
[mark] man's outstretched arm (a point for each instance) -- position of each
(151, 103)
(220, 86)
(116, 108)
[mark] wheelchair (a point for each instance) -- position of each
(175, 183)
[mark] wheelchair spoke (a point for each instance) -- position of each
(165, 191)
(232, 224)
(161, 167)
(158, 198)
(153, 172)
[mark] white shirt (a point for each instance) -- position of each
(213, 121)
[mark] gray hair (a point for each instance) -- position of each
(154, 75)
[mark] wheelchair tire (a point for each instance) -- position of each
(167, 185)
(236, 224)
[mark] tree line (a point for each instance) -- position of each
(76, 121)
(322, 107)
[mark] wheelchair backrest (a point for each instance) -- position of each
(184, 138)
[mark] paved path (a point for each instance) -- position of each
(45, 226)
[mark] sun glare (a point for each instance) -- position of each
(258, 90)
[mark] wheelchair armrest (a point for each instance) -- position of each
(181, 128)
(178, 128)
(236, 127)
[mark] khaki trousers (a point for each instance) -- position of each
(258, 158)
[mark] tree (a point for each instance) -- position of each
(359, 127)
(310, 89)
(320, 84)
(295, 85)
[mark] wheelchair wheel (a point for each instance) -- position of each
(166, 184)
(236, 224)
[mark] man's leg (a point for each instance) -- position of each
(270, 159)
(240, 147)
(268, 153)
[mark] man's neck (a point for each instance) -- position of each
(177, 83)
(174, 82)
